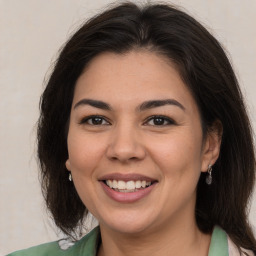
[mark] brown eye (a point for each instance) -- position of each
(95, 120)
(159, 121)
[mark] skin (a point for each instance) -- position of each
(127, 140)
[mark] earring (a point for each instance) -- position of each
(70, 176)
(208, 179)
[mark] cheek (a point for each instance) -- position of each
(84, 155)
(84, 152)
(177, 155)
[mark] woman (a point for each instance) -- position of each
(143, 124)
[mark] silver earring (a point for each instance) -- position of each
(208, 179)
(70, 176)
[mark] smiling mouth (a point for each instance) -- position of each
(128, 186)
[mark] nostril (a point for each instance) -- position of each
(134, 158)
(118, 158)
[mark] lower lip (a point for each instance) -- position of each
(127, 197)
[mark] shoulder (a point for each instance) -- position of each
(43, 249)
(65, 247)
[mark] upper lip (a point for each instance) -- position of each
(126, 177)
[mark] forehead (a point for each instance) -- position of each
(138, 75)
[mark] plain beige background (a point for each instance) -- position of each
(31, 32)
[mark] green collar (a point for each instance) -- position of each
(219, 243)
(88, 245)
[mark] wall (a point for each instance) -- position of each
(31, 32)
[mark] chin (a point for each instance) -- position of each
(129, 229)
(128, 224)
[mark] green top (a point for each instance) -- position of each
(87, 246)
(219, 243)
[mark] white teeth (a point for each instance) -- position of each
(121, 184)
(115, 184)
(129, 186)
(109, 183)
(138, 184)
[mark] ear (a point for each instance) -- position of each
(68, 165)
(211, 147)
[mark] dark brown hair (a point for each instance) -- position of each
(207, 72)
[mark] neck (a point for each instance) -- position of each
(179, 240)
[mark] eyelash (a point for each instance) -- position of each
(163, 120)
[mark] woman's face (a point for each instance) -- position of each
(135, 143)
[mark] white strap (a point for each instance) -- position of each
(233, 250)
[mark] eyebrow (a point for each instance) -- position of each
(159, 103)
(94, 103)
(144, 106)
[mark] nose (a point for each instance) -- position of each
(125, 145)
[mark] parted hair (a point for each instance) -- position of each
(208, 74)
